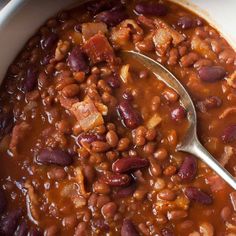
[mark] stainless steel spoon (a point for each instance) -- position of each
(190, 142)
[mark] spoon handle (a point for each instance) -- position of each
(198, 150)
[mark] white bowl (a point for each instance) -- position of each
(20, 19)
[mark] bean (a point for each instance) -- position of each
(198, 195)
(206, 229)
(186, 22)
(209, 103)
(78, 61)
(49, 41)
(167, 194)
(189, 59)
(129, 115)
(161, 154)
(100, 146)
(127, 191)
(115, 179)
(129, 163)
(8, 223)
(188, 169)
(89, 138)
(167, 232)
(96, 7)
(177, 214)
(100, 187)
(229, 134)
(178, 113)
(69, 221)
(151, 8)
(81, 229)
(128, 228)
(57, 174)
(101, 224)
(211, 73)
(51, 231)
(3, 202)
(170, 95)
(22, 229)
(71, 90)
(54, 156)
(109, 210)
(113, 81)
(89, 173)
(6, 123)
(226, 213)
(30, 80)
(112, 138)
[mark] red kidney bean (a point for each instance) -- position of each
(112, 17)
(129, 163)
(90, 137)
(54, 156)
(6, 123)
(30, 80)
(197, 195)
(167, 232)
(115, 179)
(98, 6)
(209, 103)
(229, 134)
(211, 73)
(188, 169)
(127, 191)
(46, 59)
(129, 115)
(186, 22)
(3, 202)
(128, 228)
(151, 8)
(8, 223)
(113, 81)
(49, 41)
(101, 224)
(178, 113)
(78, 61)
(22, 229)
(127, 95)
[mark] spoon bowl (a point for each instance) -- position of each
(189, 142)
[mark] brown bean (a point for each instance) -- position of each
(102, 200)
(100, 146)
(169, 170)
(177, 214)
(57, 173)
(129, 163)
(109, 210)
(170, 95)
(69, 221)
(161, 154)
(71, 90)
(167, 194)
(100, 187)
(112, 138)
(189, 59)
(123, 144)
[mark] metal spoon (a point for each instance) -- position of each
(190, 142)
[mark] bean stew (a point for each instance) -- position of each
(88, 137)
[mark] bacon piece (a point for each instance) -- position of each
(67, 102)
(92, 28)
(99, 49)
(216, 183)
(164, 36)
(87, 114)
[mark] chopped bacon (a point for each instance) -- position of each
(93, 28)
(99, 49)
(228, 153)
(19, 132)
(164, 36)
(216, 183)
(87, 114)
(79, 177)
(202, 47)
(67, 102)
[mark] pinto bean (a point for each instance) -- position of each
(129, 163)
(129, 115)
(189, 59)
(100, 146)
(8, 223)
(112, 138)
(3, 202)
(100, 187)
(128, 228)
(197, 195)
(211, 73)
(229, 134)
(78, 61)
(177, 214)
(54, 156)
(188, 169)
(151, 8)
(167, 194)
(116, 179)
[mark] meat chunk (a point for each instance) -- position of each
(99, 49)
(148, 22)
(121, 34)
(92, 28)
(87, 114)
(164, 36)
(67, 102)
(19, 132)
